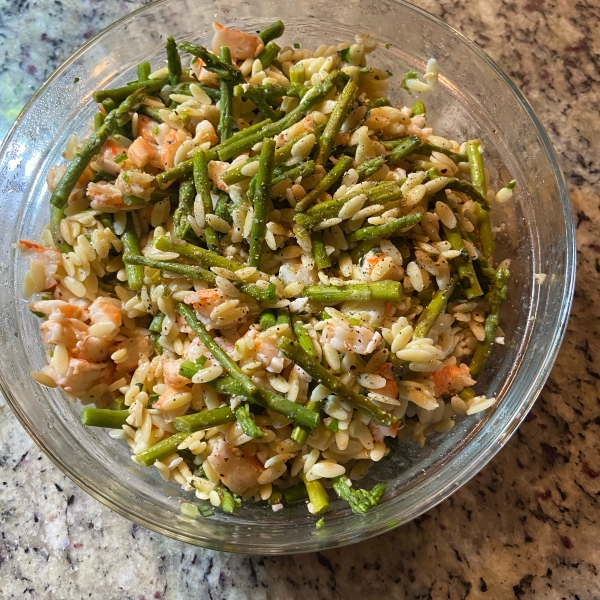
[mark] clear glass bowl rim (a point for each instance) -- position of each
(534, 388)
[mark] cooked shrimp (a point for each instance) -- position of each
(215, 169)
(49, 258)
(267, 353)
(137, 348)
(170, 411)
(152, 131)
(350, 338)
(206, 301)
(380, 432)
(170, 370)
(241, 44)
(141, 152)
(81, 375)
(232, 467)
(105, 197)
(135, 183)
(169, 147)
(109, 152)
(391, 388)
(68, 309)
(451, 379)
(305, 125)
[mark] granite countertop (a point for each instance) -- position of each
(526, 527)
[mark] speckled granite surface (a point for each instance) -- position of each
(527, 527)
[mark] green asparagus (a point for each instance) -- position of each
(386, 230)
(92, 145)
(204, 419)
(261, 202)
(293, 350)
(342, 165)
(226, 100)
(131, 246)
(355, 292)
(103, 417)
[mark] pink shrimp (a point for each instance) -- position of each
(109, 152)
(380, 432)
(452, 379)
(141, 152)
(215, 169)
(242, 45)
(390, 389)
(350, 338)
(232, 467)
(137, 348)
(168, 149)
(170, 370)
(106, 197)
(81, 375)
(49, 257)
(205, 301)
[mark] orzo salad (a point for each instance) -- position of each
(262, 275)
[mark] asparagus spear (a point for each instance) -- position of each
(226, 101)
(103, 417)
(302, 335)
(319, 252)
(203, 187)
(99, 120)
(267, 399)
(149, 111)
(56, 216)
(143, 70)
(386, 230)
(173, 61)
(292, 350)
(119, 94)
(317, 495)
(185, 208)
(270, 93)
(161, 450)
(249, 427)
(187, 166)
(433, 310)
(282, 154)
(220, 355)
(342, 108)
(312, 97)
(204, 419)
(297, 74)
(261, 201)
(193, 272)
(355, 292)
(369, 167)
(486, 236)
(157, 323)
(92, 145)
(381, 193)
(269, 54)
(408, 146)
(359, 500)
(302, 170)
(203, 257)
(131, 245)
(212, 63)
(268, 319)
(228, 502)
(495, 299)
(328, 180)
(300, 432)
(295, 493)
(464, 265)
(413, 145)
(272, 32)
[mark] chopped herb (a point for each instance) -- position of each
(125, 176)
(76, 80)
(296, 45)
(409, 75)
(387, 45)
(344, 54)
(120, 158)
(320, 523)
(511, 184)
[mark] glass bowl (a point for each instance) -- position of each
(474, 99)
